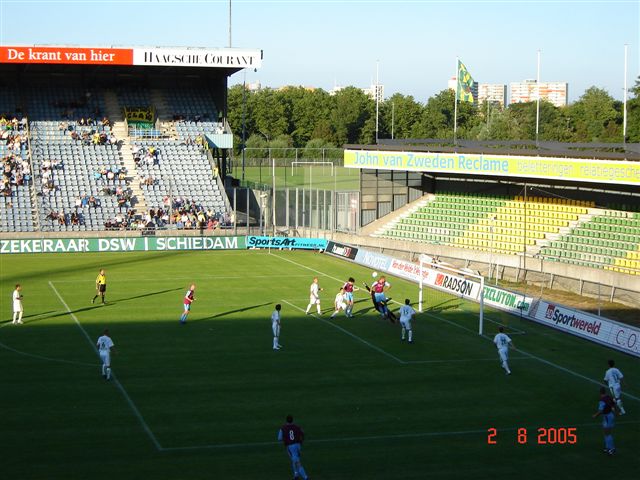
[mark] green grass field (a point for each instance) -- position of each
(205, 400)
(307, 176)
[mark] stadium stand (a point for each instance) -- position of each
(174, 175)
(194, 113)
(16, 204)
(499, 224)
(556, 229)
(79, 174)
(610, 240)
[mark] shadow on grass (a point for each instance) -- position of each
(446, 305)
(231, 312)
(105, 305)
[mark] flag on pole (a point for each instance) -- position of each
(465, 84)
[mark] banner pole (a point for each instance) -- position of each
(455, 106)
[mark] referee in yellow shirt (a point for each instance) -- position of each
(101, 286)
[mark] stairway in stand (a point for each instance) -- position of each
(163, 114)
(119, 129)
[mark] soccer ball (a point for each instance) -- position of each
(374, 274)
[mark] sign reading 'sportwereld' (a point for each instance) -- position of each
(574, 169)
(75, 245)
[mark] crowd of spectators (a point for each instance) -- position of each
(110, 174)
(89, 132)
(47, 174)
(15, 170)
(145, 155)
(64, 219)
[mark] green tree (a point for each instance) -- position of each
(594, 117)
(269, 113)
(351, 110)
(404, 112)
(633, 114)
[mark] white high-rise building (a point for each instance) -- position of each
(527, 91)
(494, 93)
(370, 92)
(374, 90)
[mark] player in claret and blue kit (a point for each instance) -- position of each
(292, 436)
(349, 288)
(189, 298)
(606, 408)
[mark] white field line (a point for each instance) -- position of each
(399, 436)
(47, 359)
(540, 359)
(347, 332)
(117, 383)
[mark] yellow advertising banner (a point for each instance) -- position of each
(573, 169)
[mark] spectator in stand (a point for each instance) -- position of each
(93, 202)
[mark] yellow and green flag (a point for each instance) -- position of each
(465, 84)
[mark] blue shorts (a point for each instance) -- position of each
(608, 420)
(380, 297)
(294, 452)
(348, 296)
(187, 307)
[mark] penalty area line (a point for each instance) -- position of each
(117, 383)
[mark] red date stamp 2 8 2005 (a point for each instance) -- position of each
(545, 436)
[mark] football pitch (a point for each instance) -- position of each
(205, 400)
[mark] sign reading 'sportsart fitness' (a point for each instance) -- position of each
(133, 244)
(292, 243)
(138, 56)
(574, 169)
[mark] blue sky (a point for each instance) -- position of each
(317, 43)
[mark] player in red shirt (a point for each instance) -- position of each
(349, 288)
(189, 298)
(293, 436)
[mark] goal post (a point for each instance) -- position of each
(313, 164)
(462, 282)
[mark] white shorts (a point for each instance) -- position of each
(616, 391)
(106, 358)
(17, 307)
(314, 301)
(276, 329)
(406, 324)
(342, 306)
(504, 354)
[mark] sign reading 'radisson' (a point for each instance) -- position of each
(574, 169)
(142, 56)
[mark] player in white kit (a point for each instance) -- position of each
(503, 342)
(17, 305)
(314, 296)
(275, 326)
(614, 377)
(339, 303)
(105, 345)
(406, 315)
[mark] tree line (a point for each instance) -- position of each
(312, 119)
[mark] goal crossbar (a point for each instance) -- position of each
(323, 164)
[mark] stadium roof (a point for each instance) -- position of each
(231, 59)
